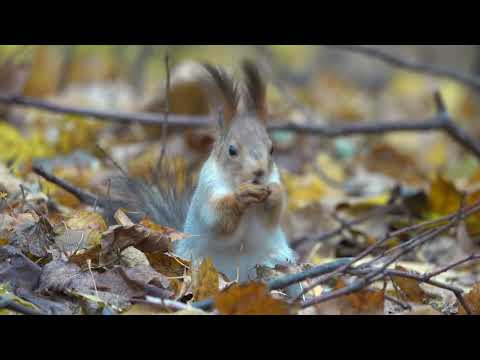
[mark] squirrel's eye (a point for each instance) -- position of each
(232, 150)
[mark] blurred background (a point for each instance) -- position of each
(320, 85)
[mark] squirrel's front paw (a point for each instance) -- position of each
(249, 194)
(276, 194)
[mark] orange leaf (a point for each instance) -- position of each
(249, 299)
(473, 301)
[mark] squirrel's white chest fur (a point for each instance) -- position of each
(253, 243)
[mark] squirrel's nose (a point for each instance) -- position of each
(259, 173)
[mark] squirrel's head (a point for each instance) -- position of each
(243, 149)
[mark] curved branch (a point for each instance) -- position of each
(435, 70)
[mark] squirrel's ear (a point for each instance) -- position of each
(256, 90)
(227, 90)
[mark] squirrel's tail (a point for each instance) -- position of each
(166, 202)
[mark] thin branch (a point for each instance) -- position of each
(165, 303)
(178, 121)
(441, 122)
(287, 280)
(469, 259)
(138, 71)
(65, 67)
(379, 211)
(441, 71)
(165, 120)
(81, 195)
(375, 274)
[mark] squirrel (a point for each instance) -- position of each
(232, 214)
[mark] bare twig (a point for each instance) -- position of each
(81, 195)
(379, 211)
(468, 259)
(441, 71)
(375, 274)
(287, 280)
(441, 122)
(165, 303)
(138, 71)
(68, 58)
(166, 115)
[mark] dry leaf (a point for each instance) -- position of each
(363, 302)
(389, 161)
(83, 230)
(473, 301)
(249, 299)
(13, 78)
(172, 234)
(445, 199)
(410, 288)
(168, 264)
(33, 234)
(147, 239)
(206, 281)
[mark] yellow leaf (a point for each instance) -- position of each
(207, 283)
(330, 167)
(444, 197)
(92, 223)
(436, 153)
(457, 98)
(19, 149)
(408, 84)
(304, 190)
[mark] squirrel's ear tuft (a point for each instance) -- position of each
(256, 95)
(227, 90)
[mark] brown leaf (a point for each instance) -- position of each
(410, 288)
(146, 237)
(363, 302)
(57, 276)
(33, 234)
(249, 299)
(172, 234)
(473, 301)
(81, 258)
(143, 275)
(387, 160)
(168, 264)
(206, 283)
(13, 78)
